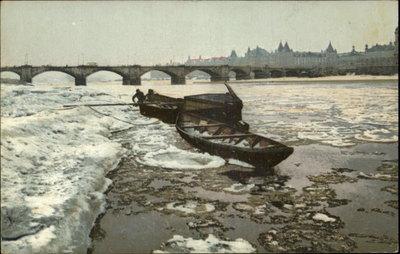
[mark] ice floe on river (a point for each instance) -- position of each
(240, 163)
(336, 114)
(175, 158)
(238, 188)
(323, 217)
(191, 207)
(180, 244)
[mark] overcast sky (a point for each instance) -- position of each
(155, 32)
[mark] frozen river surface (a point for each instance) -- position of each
(57, 163)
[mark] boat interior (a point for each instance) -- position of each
(222, 133)
(213, 97)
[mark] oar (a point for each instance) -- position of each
(104, 104)
(120, 104)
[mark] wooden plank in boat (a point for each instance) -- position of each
(240, 140)
(218, 131)
(204, 125)
(256, 140)
(228, 136)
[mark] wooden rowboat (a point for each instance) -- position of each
(162, 107)
(228, 142)
(225, 107)
(166, 112)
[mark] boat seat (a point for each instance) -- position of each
(255, 141)
(219, 130)
(231, 139)
(240, 140)
(228, 136)
(203, 125)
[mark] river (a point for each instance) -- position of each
(336, 192)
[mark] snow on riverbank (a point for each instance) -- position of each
(53, 166)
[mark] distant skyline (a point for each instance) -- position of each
(147, 33)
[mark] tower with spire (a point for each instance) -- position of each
(330, 49)
(233, 54)
(286, 48)
(280, 47)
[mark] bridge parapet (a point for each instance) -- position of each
(131, 75)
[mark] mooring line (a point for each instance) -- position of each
(109, 115)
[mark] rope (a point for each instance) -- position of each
(104, 114)
(117, 131)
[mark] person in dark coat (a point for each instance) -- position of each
(149, 95)
(139, 95)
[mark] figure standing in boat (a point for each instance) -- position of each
(139, 95)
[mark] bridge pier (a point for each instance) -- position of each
(26, 79)
(26, 74)
(178, 80)
(80, 81)
(278, 73)
(131, 81)
(126, 81)
(243, 76)
(219, 78)
(261, 74)
(292, 73)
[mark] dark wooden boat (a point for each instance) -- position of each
(162, 107)
(226, 141)
(226, 107)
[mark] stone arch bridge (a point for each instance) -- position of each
(131, 75)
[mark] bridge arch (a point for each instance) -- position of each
(9, 74)
(210, 72)
(232, 75)
(198, 74)
(292, 73)
(104, 75)
(44, 70)
(239, 74)
(276, 73)
(104, 69)
(158, 76)
(53, 76)
(259, 74)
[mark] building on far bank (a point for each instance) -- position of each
(221, 60)
(285, 57)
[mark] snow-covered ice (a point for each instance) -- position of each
(54, 161)
(53, 166)
(173, 157)
(240, 163)
(191, 207)
(336, 114)
(239, 188)
(323, 217)
(211, 244)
